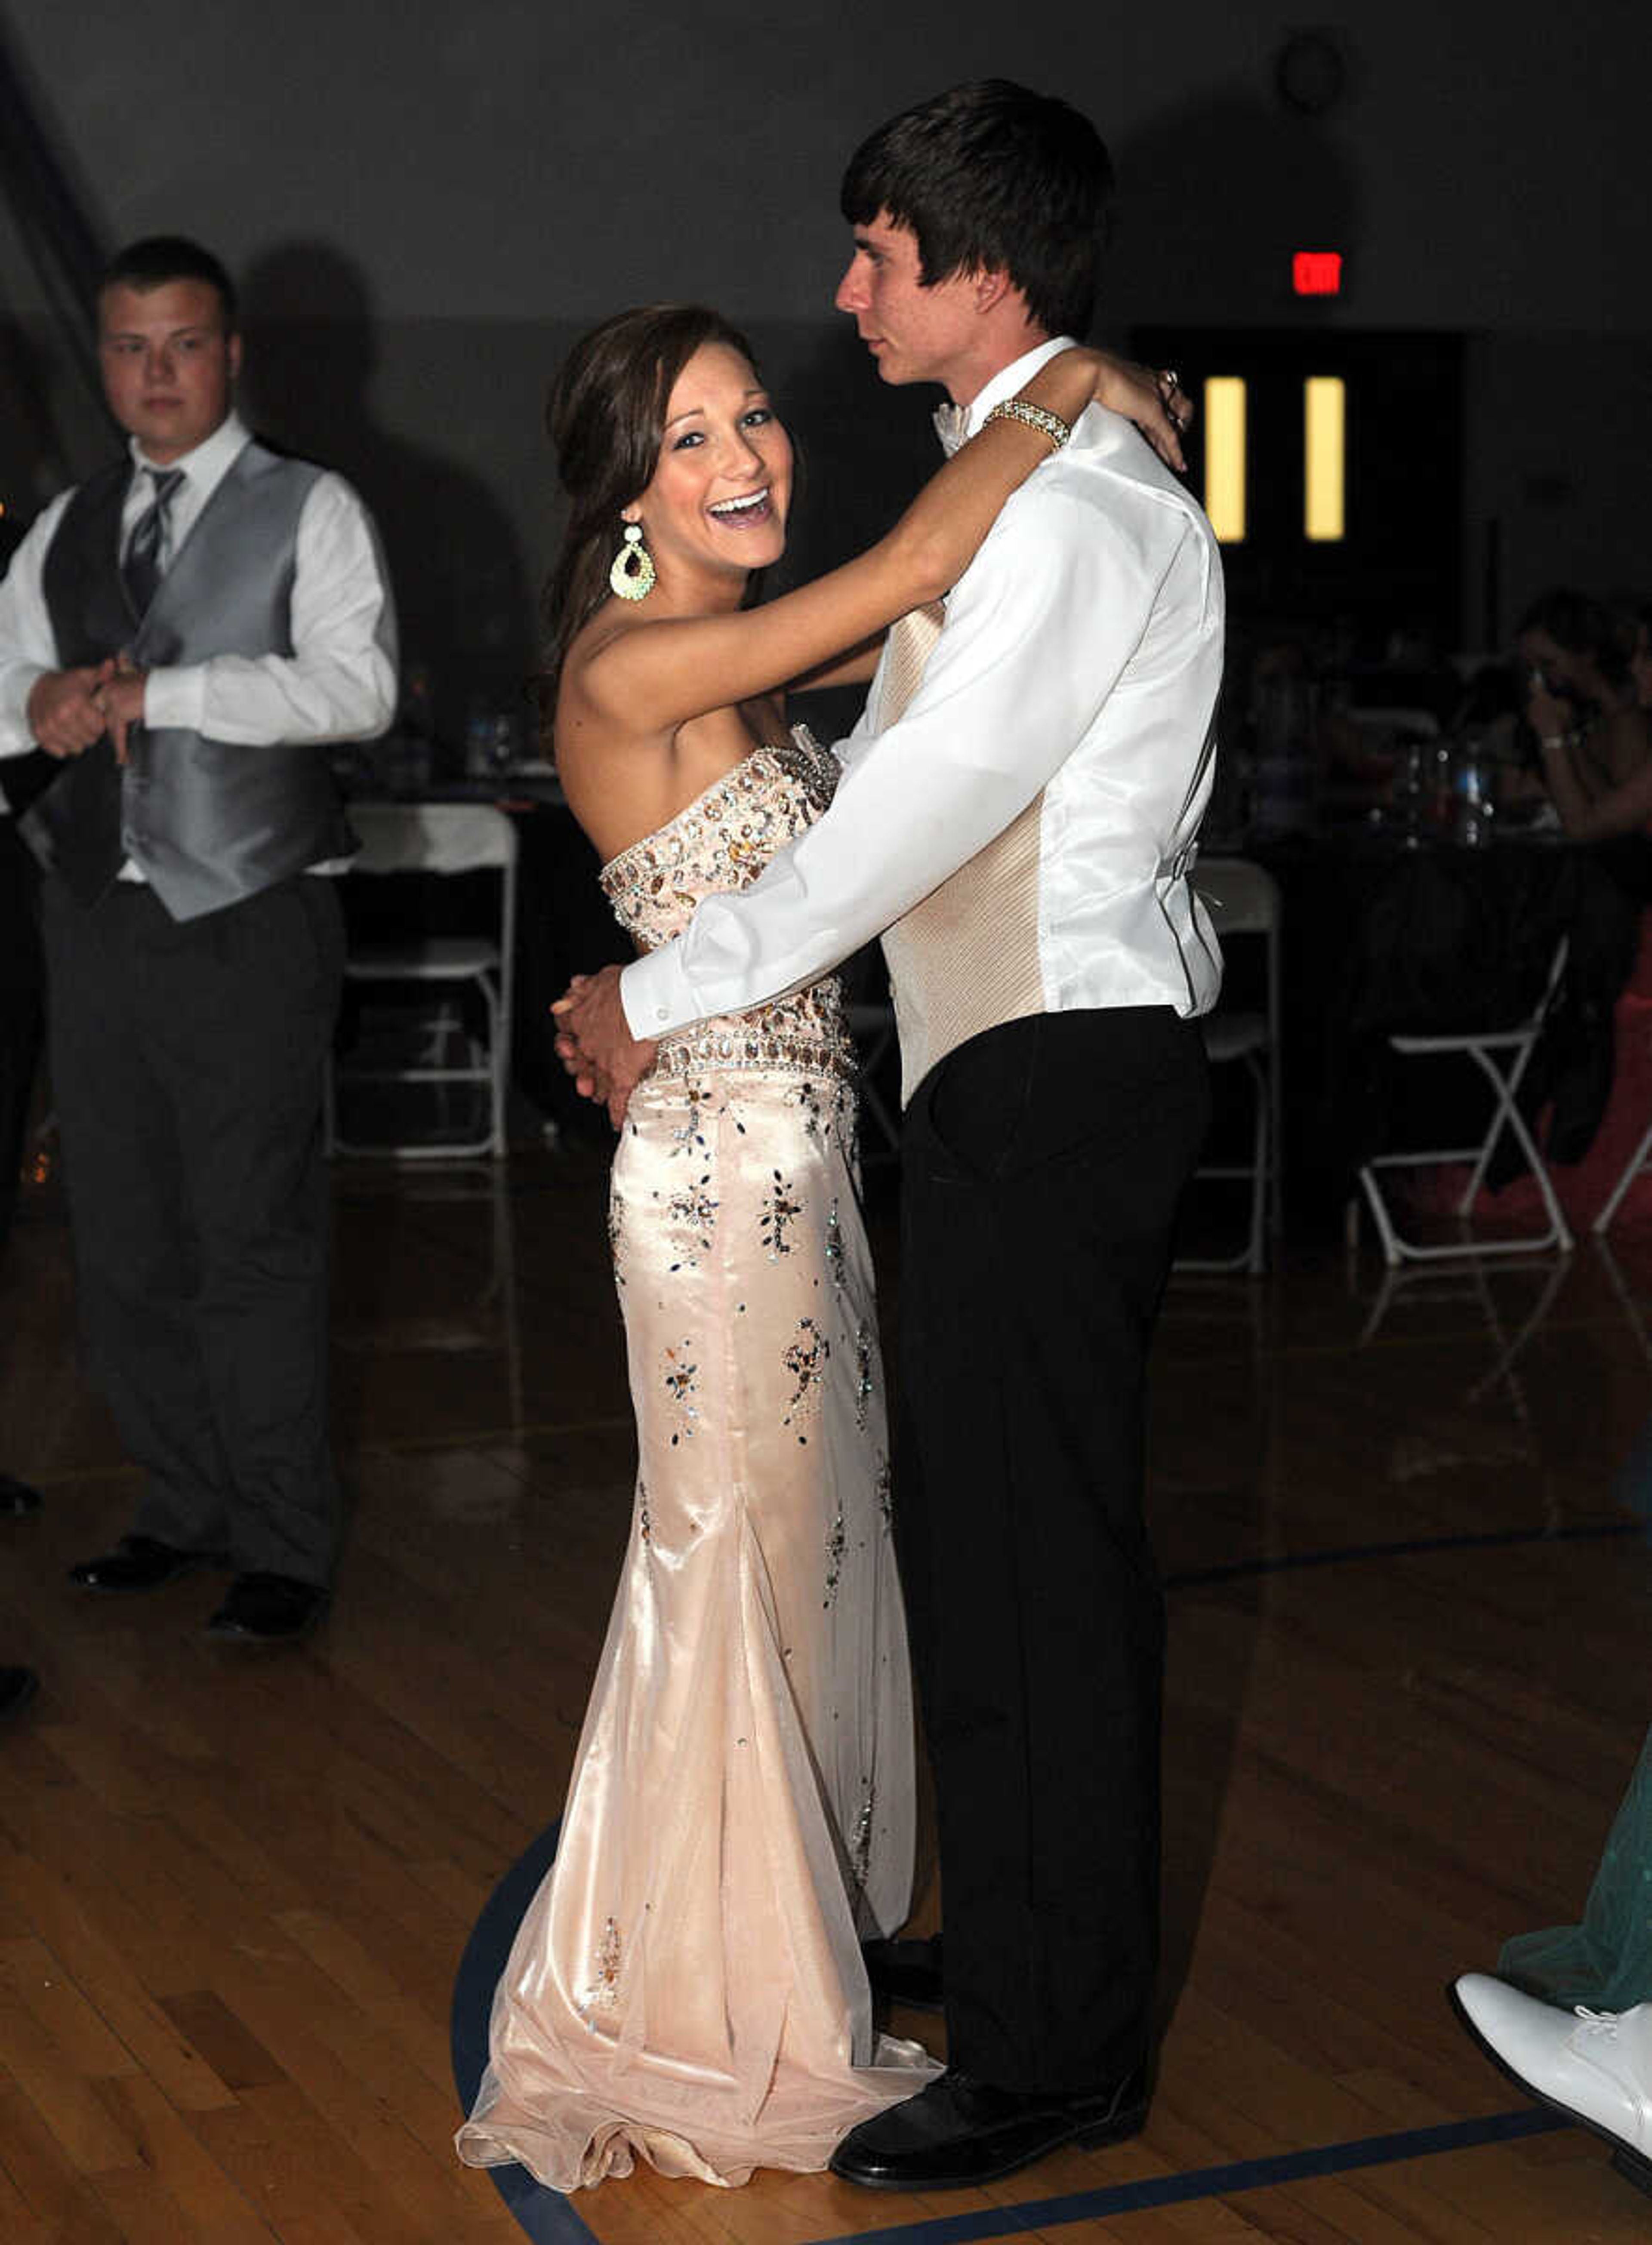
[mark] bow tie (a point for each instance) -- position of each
(952, 426)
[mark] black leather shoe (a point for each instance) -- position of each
(268, 1609)
(141, 1562)
(16, 1497)
(959, 2131)
(17, 1687)
(907, 1972)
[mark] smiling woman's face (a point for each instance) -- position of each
(717, 502)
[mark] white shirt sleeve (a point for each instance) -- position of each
(339, 682)
(1038, 631)
(28, 644)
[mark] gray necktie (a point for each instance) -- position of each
(141, 568)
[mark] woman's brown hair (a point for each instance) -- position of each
(606, 414)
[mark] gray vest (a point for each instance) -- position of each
(209, 822)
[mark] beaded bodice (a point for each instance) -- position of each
(721, 841)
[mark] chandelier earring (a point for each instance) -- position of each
(633, 573)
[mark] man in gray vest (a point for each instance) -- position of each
(184, 632)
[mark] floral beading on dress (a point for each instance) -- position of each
(721, 841)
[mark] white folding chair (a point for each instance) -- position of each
(1501, 1055)
(1242, 898)
(438, 838)
(1639, 1159)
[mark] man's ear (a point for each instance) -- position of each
(991, 285)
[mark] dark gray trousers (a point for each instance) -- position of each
(186, 1062)
(20, 1018)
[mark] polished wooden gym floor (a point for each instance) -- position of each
(1409, 1680)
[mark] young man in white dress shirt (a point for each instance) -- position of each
(184, 632)
(1022, 831)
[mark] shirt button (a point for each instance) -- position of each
(662, 1012)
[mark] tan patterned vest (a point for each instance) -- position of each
(965, 957)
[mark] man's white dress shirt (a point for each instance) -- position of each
(338, 683)
(1081, 656)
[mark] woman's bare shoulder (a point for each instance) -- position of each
(1629, 726)
(616, 775)
(591, 719)
(1620, 744)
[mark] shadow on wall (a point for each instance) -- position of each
(1213, 197)
(462, 598)
(31, 452)
(864, 448)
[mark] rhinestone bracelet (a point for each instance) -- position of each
(1035, 416)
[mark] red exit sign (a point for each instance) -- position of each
(1316, 272)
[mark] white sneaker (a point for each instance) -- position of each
(1595, 2067)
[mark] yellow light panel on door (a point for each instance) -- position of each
(1324, 456)
(1225, 456)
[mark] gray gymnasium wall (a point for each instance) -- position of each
(427, 202)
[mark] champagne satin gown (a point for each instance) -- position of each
(687, 1986)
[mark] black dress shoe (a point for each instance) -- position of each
(268, 1609)
(16, 1497)
(959, 2131)
(141, 1562)
(907, 1972)
(17, 1687)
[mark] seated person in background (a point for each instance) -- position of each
(1594, 731)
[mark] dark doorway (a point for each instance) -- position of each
(1398, 566)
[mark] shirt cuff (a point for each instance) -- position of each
(175, 699)
(21, 678)
(656, 996)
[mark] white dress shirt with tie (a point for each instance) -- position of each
(339, 682)
(1080, 661)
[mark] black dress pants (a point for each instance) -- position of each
(186, 1061)
(1041, 1166)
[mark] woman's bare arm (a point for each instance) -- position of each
(651, 676)
(1595, 816)
(1156, 402)
(854, 667)
(1160, 408)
